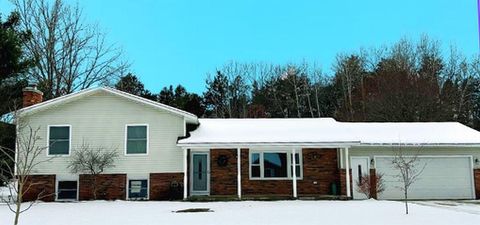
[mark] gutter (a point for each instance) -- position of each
(268, 144)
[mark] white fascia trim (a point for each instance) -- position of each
(269, 144)
(319, 144)
(420, 144)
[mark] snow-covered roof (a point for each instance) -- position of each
(414, 133)
(326, 132)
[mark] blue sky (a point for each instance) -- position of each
(178, 42)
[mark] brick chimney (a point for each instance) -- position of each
(31, 96)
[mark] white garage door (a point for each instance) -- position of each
(444, 177)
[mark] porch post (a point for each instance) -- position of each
(239, 173)
(185, 173)
(294, 174)
(347, 172)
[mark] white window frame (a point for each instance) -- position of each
(57, 191)
(147, 178)
(69, 140)
(299, 162)
(289, 165)
(126, 140)
(260, 157)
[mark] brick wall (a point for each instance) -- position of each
(110, 186)
(476, 175)
(373, 183)
(223, 178)
(160, 186)
(320, 170)
(43, 185)
(342, 182)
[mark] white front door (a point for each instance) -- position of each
(360, 167)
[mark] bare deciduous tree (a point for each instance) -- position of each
(24, 161)
(93, 161)
(409, 169)
(68, 54)
(369, 187)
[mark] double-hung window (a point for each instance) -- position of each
(137, 139)
(59, 140)
(274, 165)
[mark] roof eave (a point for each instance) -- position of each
(363, 144)
(267, 144)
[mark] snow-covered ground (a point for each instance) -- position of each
(5, 193)
(246, 212)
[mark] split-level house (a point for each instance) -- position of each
(166, 153)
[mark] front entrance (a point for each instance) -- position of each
(360, 167)
(200, 173)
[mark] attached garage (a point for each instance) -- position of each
(443, 177)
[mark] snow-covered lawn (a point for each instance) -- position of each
(246, 212)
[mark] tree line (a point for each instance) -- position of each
(407, 81)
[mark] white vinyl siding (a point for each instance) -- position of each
(100, 120)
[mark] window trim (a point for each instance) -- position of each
(299, 162)
(289, 165)
(126, 139)
(69, 140)
(128, 188)
(250, 163)
(57, 190)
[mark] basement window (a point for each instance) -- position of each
(138, 189)
(67, 190)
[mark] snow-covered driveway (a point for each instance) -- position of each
(246, 212)
(468, 206)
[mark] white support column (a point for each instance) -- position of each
(294, 174)
(347, 172)
(185, 173)
(239, 173)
